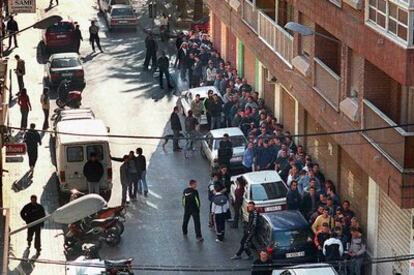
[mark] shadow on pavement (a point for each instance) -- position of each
(49, 199)
(23, 183)
(25, 267)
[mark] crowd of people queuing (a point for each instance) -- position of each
(337, 233)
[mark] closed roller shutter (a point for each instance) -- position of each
(268, 92)
(249, 66)
(288, 112)
(394, 230)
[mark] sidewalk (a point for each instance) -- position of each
(43, 184)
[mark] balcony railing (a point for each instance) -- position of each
(394, 143)
(327, 83)
(279, 40)
(249, 14)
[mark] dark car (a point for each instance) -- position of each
(288, 235)
(60, 37)
(65, 66)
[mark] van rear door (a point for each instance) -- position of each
(73, 168)
(102, 152)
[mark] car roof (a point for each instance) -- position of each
(286, 220)
(85, 127)
(202, 91)
(232, 131)
(308, 269)
(64, 55)
(262, 177)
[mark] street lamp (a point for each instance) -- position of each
(72, 211)
(306, 31)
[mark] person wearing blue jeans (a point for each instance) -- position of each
(142, 167)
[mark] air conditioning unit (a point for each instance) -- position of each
(270, 78)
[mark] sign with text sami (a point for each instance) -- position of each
(22, 6)
(14, 149)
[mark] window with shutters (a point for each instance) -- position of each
(392, 17)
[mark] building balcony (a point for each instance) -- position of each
(275, 37)
(396, 144)
(326, 83)
(249, 14)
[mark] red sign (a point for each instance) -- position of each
(14, 149)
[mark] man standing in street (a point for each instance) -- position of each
(225, 151)
(197, 107)
(20, 71)
(12, 28)
(125, 179)
(142, 169)
(93, 172)
(190, 123)
(151, 52)
(32, 140)
(163, 66)
(94, 36)
(191, 204)
(78, 38)
(32, 212)
(176, 127)
(249, 232)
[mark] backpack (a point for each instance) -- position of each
(220, 199)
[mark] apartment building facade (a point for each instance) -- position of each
(358, 73)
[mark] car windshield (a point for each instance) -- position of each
(268, 191)
(122, 12)
(237, 141)
(61, 27)
(65, 63)
(119, 2)
(289, 238)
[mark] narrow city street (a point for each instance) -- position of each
(130, 102)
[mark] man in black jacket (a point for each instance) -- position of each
(163, 65)
(93, 171)
(191, 204)
(151, 53)
(249, 232)
(12, 28)
(78, 38)
(215, 111)
(176, 127)
(142, 169)
(225, 151)
(310, 202)
(32, 212)
(32, 140)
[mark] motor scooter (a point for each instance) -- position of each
(68, 95)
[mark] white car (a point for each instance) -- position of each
(265, 188)
(307, 269)
(72, 114)
(188, 96)
(121, 17)
(105, 4)
(211, 143)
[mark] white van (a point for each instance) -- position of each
(72, 152)
(307, 269)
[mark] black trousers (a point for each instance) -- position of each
(25, 114)
(220, 225)
(95, 39)
(14, 37)
(237, 210)
(35, 230)
(46, 119)
(150, 56)
(167, 76)
(32, 154)
(175, 139)
(196, 219)
(244, 245)
(20, 82)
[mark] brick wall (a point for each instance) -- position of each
(231, 47)
(216, 31)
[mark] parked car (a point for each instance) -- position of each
(265, 188)
(211, 143)
(287, 234)
(60, 37)
(307, 269)
(105, 4)
(188, 96)
(73, 151)
(121, 17)
(65, 66)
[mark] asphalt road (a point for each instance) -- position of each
(130, 102)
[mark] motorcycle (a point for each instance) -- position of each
(102, 230)
(68, 95)
(117, 212)
(91, 263)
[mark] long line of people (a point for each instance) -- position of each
(269, 147)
